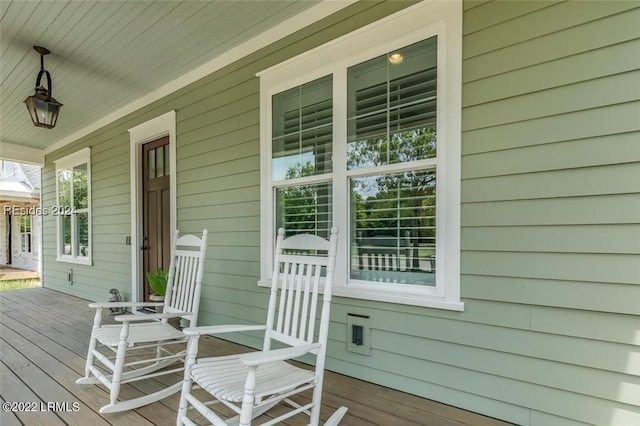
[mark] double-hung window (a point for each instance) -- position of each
(25, 233)
(73, 207)
(364, 134)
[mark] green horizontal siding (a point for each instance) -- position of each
(550, 197)
(581, 295)
(603, 180)
(229, 168)
(590, 210)
(612, 28)
(587, 65)
(618, 239)
(588, 152)
(529, 27)
(611, 327)
(585, 95)
(497, 12)
(604, 121)
(550, 224)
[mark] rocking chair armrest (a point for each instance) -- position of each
(105, 305)
(264, 357)
(218, 329)
(146, 317)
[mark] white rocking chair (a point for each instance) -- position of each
(148, 336)
(250, 384)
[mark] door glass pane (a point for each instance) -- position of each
(392, 107)
(302, 130)
(304, 209)
(159, 161)
(393, 227)
(80, 189)
(151, 163)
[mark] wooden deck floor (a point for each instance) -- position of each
(44, 337)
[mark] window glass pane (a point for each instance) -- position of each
(25, 223)
(65, 233)
(82, 234)
(392, 107)
(64, 188)
(24, 247)
(302, 130)
(80, 194)
(393, 227)
(304, 209)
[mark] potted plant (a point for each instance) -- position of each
(158, 283)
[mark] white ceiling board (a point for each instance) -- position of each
(107, 55)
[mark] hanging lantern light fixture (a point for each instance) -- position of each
(43, 108)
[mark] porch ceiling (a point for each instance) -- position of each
(107, 55)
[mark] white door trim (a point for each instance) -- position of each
(164, 125)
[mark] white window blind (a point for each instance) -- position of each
(302, 131)
(392, 107)
(305, 209)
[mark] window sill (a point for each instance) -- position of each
(379, 295)
(76, 261)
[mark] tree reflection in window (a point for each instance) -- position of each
(73, 211)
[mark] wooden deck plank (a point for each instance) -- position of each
(47, 334)
(8, 418)
(15, 390)
(48, 390)
(65, 367)
(410, 407)
(74, 355)
(53, 308)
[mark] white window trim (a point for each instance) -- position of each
(68, 163)
(156, 128)
(408, 26)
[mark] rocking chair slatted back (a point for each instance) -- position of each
(184, 283)
(298, 277)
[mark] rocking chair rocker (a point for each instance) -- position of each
(148, 336)
(251, 384)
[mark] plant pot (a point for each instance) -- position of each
(157, 299)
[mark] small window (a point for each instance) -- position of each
(73, 208)
(25, 234)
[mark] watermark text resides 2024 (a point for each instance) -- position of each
(39, 211)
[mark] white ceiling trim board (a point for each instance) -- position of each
(22, 154)
(290, 26)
